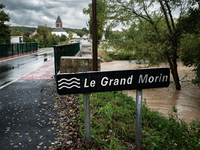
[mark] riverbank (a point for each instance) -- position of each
(187, 100)
(113, 117)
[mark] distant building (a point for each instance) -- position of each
(34, 33)
(16, 39)
(86, 37)
(75, 35)
(59, 30)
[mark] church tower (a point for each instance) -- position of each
(58, 22)
(59, 30)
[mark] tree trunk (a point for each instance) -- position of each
(174, 61)
(175, 76)
(173, 67)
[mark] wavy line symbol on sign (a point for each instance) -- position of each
(69, 83)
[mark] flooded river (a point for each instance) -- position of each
(187, 100)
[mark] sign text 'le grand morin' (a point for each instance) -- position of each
(103, 81)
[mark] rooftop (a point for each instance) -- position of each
(58, 20)
(58, 30)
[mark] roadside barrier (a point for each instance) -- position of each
(64, 50)
(12, 49)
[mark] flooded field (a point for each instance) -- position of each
(187, 100)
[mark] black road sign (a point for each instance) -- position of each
(102, 81)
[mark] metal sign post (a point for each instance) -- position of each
(138, 119)
(87, 112)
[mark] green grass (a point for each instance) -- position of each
(113, 117)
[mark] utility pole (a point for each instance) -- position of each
(94, 35)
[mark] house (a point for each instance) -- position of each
(75, 35)
(59, 30)
(34, 33)
(16, 39)
(86, 37)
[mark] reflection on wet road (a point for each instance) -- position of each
(187, 100)
(13, 69)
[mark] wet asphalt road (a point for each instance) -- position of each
(28, 119)
(11, 70)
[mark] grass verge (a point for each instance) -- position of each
(113, 117)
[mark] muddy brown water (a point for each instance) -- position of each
(187, 100)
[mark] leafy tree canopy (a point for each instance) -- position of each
(26, 38)
(151, 29)
(23, 29)
(4, 28)
(80, 33)
(101, 18)
(27, 33)
(85, 30)
(70, 35)
(108, 32)
(43, 30)
(63, 38)
(188, 28)
(16, 33)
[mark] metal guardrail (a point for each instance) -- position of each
(11, 49)
(64, 50)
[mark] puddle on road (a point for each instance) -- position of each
(47, 56)
(187, 100)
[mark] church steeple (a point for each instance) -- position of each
(58, 22)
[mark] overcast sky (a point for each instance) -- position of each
(45, 12)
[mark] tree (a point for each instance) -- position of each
(108, 32)
(16, 33)
(101, 18)
(27, 33)
(63, 38)
(117, 40)
(40, 41)
(70, 35)
(157, 22)
(26, 38)
(80, 33)
(85, 30)
(43, 30)
(5, 29)
(52, 40)
(34, 37)
(188, 30)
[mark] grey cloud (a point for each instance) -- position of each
(41, 12)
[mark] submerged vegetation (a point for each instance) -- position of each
(113, 117)
(114, 54)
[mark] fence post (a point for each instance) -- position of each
(22, 47)
(27, 47)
